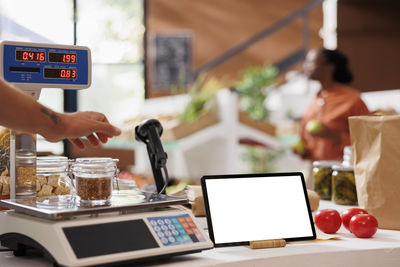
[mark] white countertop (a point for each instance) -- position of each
(381, 250)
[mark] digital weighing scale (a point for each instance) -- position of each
(134, 226)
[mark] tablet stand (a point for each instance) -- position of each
(273, 243)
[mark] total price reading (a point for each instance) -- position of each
(60, 73)
(30, 56)
(62, 57)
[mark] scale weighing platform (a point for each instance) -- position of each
(134, 226)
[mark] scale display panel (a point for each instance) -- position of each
(109, 238)
(46, 65)
(132, 235)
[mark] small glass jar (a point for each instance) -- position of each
(52, 176)
(25, 164)
(94, 179)
(322, 172)
(343, 185)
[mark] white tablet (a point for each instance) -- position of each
(250, 207)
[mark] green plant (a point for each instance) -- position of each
(254, 88)
(259, 159)
(201, 92)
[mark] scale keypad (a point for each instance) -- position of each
(175, 230)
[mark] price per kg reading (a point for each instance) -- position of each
(62, 57)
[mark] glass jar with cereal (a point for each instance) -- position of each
(25, 165)
(52, 176)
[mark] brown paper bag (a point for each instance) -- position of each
(376, 151)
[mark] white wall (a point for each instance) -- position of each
(382, 100)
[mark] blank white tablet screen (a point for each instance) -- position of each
(258, 208)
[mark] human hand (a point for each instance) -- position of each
(304, 154)
(327, 133)
(93, 125)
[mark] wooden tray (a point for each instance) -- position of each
(184, 129)
(262, 126)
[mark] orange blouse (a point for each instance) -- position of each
(332, 107)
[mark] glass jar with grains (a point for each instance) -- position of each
(52, 176)
(25, 165)
(322, 172)
(343, 185)
(94, 179)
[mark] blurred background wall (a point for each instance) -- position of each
(218, 26)
(369, 33)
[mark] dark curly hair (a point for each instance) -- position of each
(341, 72)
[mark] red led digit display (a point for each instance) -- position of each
(60, 73)
(62, 57)
(30, 56)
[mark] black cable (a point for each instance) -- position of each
(165, 178)
(5, 249)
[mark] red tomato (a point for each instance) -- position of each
(363, 225)
(124, 175)
(328, 220)
(347, 214)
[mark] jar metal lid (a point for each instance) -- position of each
(51, 160)
(25, 157)
(95, 162)
(325, 163)
(88, 164)
(52, 164)
(347, 150)
(343, 168)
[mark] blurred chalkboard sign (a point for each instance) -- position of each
(172, 63)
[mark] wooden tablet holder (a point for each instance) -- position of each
(272, 243)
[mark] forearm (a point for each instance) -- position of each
(328, 133)
(21, 112)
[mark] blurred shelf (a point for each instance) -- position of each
(211, 145)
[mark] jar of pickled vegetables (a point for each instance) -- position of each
(322, 172)
(343, 185)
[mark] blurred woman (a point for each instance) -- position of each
(324, 126)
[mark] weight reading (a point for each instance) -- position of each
(30, 56)
(60, 73)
